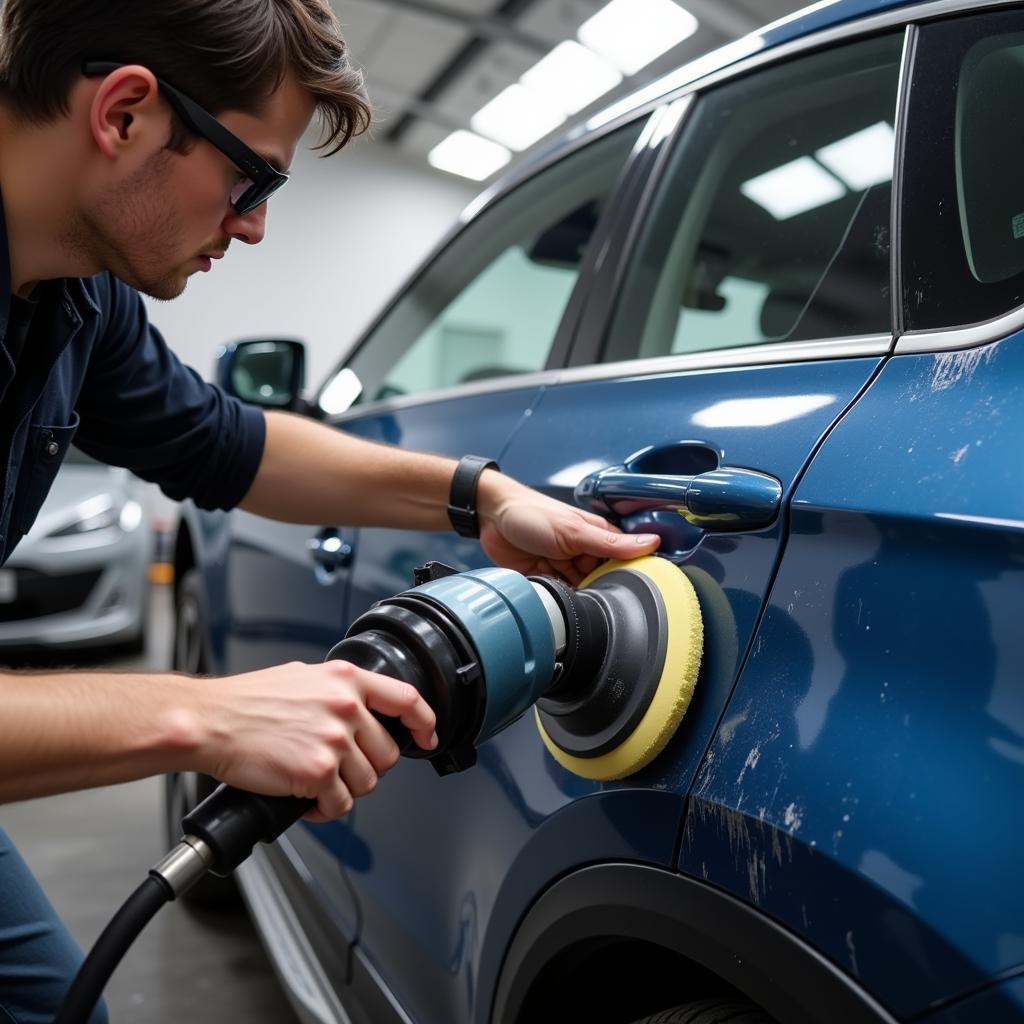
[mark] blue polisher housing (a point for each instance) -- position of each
(509, 627)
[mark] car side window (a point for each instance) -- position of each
(491, 303)
(963, 215)
(773, 221)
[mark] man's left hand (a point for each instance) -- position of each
(525, 530)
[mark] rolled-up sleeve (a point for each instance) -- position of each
(142, 408)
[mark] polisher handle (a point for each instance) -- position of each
(232, 821)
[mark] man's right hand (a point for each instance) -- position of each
(307, 730)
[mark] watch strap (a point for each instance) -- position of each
(462, 511)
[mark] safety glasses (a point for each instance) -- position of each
(260, 180)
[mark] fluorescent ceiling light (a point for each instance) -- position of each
(570, 77)
(793, 188)
(468, 155)
(722, 57)
(862, 159)
(631, 33)
(517, 117)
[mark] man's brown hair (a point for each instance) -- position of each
(224, 54)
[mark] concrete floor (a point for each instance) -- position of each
(89, 850)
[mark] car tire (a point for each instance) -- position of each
(719, 1010)
(184, 790)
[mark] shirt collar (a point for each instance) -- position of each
(78, 295)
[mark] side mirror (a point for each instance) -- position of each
(266, 372)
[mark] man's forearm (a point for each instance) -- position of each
(300, 729)
(76, 730)
(314, 474)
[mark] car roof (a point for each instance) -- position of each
(824, 15)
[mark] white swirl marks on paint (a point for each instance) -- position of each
(793, 818)
(951, 367)
(751, 762)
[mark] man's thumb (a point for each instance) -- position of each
(624, 545)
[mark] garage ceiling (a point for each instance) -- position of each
(431, 65)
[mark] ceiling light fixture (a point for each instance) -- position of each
(631, 33)
(517, 117)
(468, 155)
(571, 77)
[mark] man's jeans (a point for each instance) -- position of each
(38, 957)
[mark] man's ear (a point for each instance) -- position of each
(126, 106)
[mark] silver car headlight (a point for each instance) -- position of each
(101, 513)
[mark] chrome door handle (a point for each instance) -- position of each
(724, 499)
(329, 552)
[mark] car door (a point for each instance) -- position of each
(454, 366)
(876, 734)
(739, 314)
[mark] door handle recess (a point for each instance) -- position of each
(724, 499)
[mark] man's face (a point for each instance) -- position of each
(172, 216)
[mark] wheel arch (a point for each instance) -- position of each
(702, 935)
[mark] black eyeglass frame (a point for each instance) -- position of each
(266, 179)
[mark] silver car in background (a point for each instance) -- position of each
(79, 578)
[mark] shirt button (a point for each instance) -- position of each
(52, 448)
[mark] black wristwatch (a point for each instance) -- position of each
(462, 496)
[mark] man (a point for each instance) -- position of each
(115, 179)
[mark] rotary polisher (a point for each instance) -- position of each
(609, 669)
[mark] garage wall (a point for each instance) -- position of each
(341, 237)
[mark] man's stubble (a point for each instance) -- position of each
(132, 231)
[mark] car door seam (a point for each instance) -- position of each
(784, 515)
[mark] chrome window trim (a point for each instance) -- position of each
(969, 336)
(763, 354)
(910, 36)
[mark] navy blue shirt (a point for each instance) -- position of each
(93, 370)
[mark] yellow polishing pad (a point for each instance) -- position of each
(674, 689)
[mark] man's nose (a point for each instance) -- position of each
(247, 227)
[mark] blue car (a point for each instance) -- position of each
(803, 256)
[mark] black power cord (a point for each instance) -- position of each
(110, 947)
